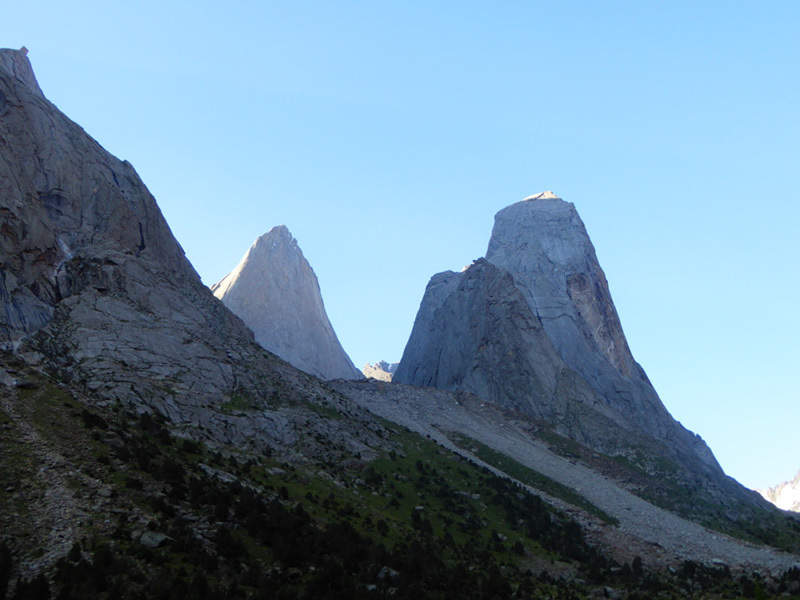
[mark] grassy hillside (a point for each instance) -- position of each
(99, 502)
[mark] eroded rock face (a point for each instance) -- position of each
(94, 286)
(532, 327)
(72, 213)
(275, 292)
(476, 332)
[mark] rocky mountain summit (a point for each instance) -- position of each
(786, 495)
(275, 292)
(532, 327)
(381, 370)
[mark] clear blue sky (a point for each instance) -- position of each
(386, 135)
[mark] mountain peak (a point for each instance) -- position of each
(276, 233)
(277, 237)
(546, 195)
(275, 292)
(535, 314)
(785, 495)
(15, 63)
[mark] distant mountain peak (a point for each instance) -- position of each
(785, 495)
(279, 232)
(275, 292)
(381, 370)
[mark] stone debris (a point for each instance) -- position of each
(153, 539)
(658, 536)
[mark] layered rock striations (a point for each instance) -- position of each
(94, 287)
(275, 292)
(533, 328)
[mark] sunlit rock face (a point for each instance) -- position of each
(533, 328)
(786, 495)
(542, 242)
(275, 292)
(381, 370)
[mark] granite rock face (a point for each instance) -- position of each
(532, 327)
(275, 292)
(543, 244)
(487, 340)
(94, 287)
(381, 370)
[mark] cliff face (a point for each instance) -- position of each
(543, 244)
(479, 316)
(275, 292)
(89, 263)
(532, 327)
(94, 287)
(64, 199)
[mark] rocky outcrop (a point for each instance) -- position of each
(275, 292)
(532, 327)
(381, 370)
(94, 287)
(786, 495)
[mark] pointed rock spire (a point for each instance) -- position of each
(533, 328)
(275, 292)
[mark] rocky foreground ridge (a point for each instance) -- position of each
(275, 292)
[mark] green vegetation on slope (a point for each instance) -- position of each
(660, 481)
(529, 476)
(171, 518)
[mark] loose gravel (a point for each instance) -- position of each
(660, 537)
